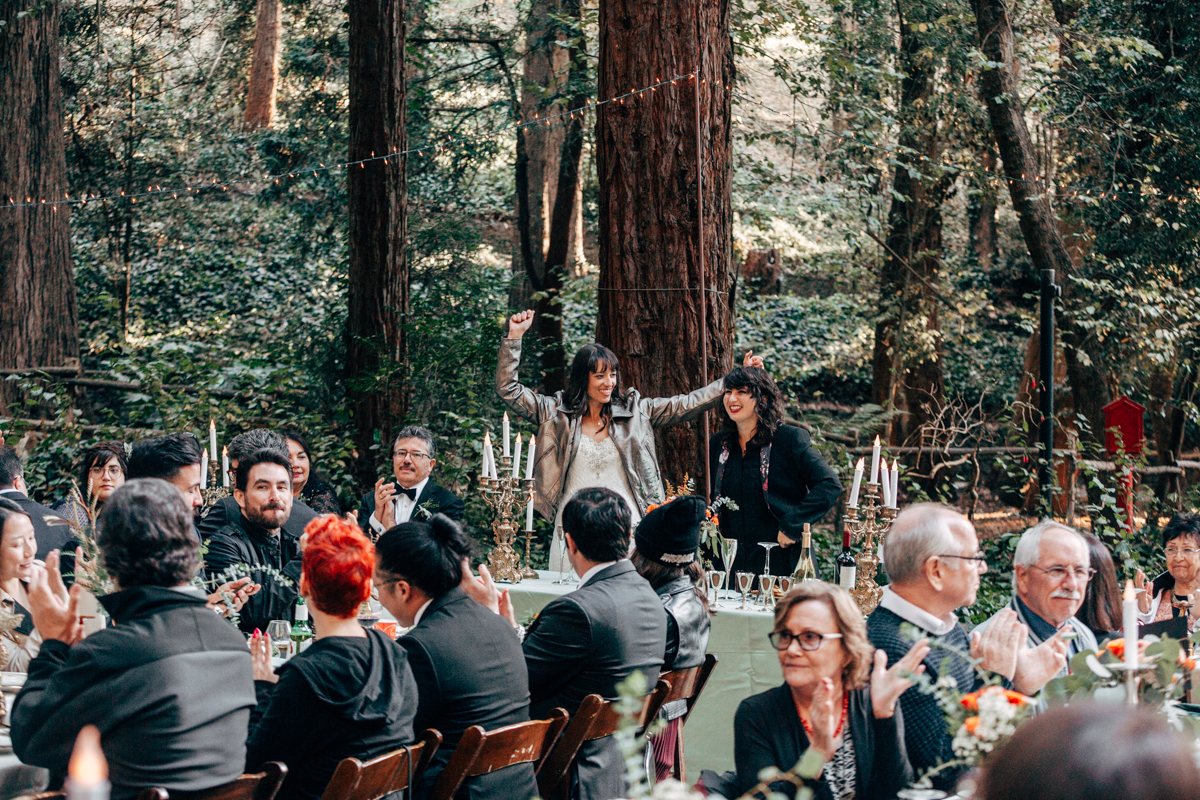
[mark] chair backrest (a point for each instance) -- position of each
(595, 719)
(257, 786)
(687, 684)
(390, 772)
(480, 752)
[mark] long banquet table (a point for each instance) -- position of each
(747, 665)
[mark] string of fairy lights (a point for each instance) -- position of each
(846, 139)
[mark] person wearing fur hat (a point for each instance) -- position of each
(665, 554)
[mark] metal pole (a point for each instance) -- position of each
(704, 424)
(1046, 434)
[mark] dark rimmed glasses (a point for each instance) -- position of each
(808, 640)
(980, 561)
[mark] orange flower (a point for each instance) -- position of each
(651, 507)
(971, 723)
(1015, 698)
(970, 701)
(716, 522)
(1116, 647)
(708, 513)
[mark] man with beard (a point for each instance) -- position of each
(255, 538)
(1051, 571)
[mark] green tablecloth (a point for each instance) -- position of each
(747, 665)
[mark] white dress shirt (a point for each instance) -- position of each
(402, 508)
(915, 614)
(591, 573)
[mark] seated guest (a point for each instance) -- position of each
(308, 485)
(1176, 592)
(350, 693)
(412, 496)
(588, 641)
(225, 511)
(467, 663)
(831, 700)
(1101, 609)
(1051, 570)
(175, 458)
(664, 553)
(255, 538)
(933, 566)
(17, 548)
(169, 684)
(52, 531)
(1086, 751)
(101, 471)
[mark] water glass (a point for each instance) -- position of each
(280, 631)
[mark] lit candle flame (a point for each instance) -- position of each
(88, 766)
(1130, 594)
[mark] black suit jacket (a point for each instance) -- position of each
(587, 642)
(226, 511)
(52, 531)
(767, 732)
(470, 671)
(433, 498)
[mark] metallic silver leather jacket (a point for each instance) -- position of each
(634, 419)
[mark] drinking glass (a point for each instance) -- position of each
(729, 549)
(767, 546)
(280, 631)
(784, 582)
(745, 580)
(715, 578)
(564, 566)
(766, 588)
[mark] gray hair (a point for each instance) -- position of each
(1029, 546)
(920, 532)
(245, 444)
(417, 432)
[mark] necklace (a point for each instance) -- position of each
(841, 722)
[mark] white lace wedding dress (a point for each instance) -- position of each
(595, 464)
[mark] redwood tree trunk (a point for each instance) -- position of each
(264, 65)
(38, 325)
(377, 194)
(1091, 385)
(650, 272)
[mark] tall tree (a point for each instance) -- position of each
(38, 313)
(377, 193)
(264, 65)
(650, 305)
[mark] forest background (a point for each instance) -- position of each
(862, 232)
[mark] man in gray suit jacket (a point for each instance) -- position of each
(590, 640)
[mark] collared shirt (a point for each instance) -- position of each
(13, 491)
(915, 614)
(1043, 629)
(402, 507)
(420, 613)
(591, 573)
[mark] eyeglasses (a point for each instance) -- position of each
(1059, 572)
(417, 455)
(809, 640)
(1186, 552)
(980, 561)
(112, 470)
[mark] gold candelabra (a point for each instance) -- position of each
(870, 531)
(503, 495)
(214, 491)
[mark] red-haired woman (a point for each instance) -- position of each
(351, 693)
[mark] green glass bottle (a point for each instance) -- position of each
(302, 633)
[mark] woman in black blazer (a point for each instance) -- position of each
(467, 660)
(769, 470)
(831, 700)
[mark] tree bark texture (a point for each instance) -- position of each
(38, 322)
(1091, 384)
(907, 359)
(377, 194)
(650, 266)
(264, 65)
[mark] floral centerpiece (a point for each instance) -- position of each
(710, 529)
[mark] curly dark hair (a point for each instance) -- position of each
(768, 402)
(146, 537)
(98, 455)
(1184, 524)
(590, 358)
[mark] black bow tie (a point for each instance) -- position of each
(412, 493)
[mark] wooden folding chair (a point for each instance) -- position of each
(686, 684)
(259, 786)
(390, 772)
(480, 752)
(595, 719)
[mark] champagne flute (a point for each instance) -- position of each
(715, 578)
(767, 546)
(280, 631)
(729, 548)
(766, 588)
(561, 535)
(745, 580)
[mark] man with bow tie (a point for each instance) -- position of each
(412, 496)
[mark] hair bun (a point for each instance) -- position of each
(449, 534)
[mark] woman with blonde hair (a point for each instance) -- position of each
(837, 697)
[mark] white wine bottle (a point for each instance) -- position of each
(805, 571)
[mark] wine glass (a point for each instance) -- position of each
(767, 546)
(784, 582)
(729, 548)
(766, 588)
(563, 574)
(280, 631)
(745, 580)
(715, 578)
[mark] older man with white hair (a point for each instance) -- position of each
(933, 564)
(1051, 571)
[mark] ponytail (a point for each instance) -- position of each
(428, 555)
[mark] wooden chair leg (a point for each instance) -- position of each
(680, 769)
